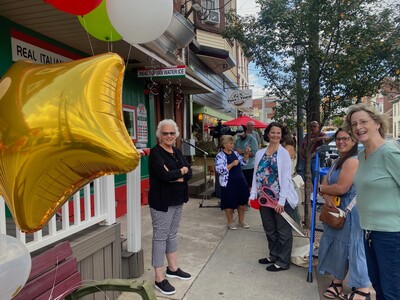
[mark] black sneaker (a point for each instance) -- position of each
(178, 274)
(165, 287)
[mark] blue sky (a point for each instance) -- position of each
(248, 7)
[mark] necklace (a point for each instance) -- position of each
(271, 150)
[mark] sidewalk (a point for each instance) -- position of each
(224, 263)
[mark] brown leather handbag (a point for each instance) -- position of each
(334, 217)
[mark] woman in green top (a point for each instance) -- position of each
(377, 182)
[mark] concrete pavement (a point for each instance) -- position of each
(224, 263)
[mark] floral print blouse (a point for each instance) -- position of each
(267, 173)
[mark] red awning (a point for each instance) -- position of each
(243, 121)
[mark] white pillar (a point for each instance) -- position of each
(134, 229)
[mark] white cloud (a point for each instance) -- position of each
(256, 83)
(249, 7)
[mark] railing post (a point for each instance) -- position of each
(3, 229)
(108, 198)
(134, 229)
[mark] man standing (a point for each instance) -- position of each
(251, 131)
(317, 138)
(243, 141)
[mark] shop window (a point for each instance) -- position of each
(129, 113)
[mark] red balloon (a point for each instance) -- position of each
(75, 7)
(255, 204)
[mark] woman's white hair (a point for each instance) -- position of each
(166, 122)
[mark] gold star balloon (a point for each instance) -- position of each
(61, 127)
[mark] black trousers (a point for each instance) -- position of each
(279, 235)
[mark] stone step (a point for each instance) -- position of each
(197, 174)
(197, 187)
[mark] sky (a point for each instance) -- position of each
(247, 7)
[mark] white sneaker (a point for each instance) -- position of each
(244, 225)
(232, 226)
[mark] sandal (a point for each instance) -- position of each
(367, 296)
(335, 293)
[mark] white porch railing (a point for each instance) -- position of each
(102, 211)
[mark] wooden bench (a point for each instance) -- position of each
(55, 273)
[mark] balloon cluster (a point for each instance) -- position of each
(110, 20)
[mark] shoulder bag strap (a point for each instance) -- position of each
(351, 205)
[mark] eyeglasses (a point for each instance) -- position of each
(168, 133)
(361, 123)
(344, 139)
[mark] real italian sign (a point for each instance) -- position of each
(26, 47)
(168, 72)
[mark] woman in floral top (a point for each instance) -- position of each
(273, 170)
(234, 189)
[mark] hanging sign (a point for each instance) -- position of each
(240, 98)
(142, 126)
(168, 72)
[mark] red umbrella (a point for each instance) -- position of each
(243, 121)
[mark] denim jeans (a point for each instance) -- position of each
(382, 250)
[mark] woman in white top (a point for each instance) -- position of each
(273, 170)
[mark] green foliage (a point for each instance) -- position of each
(346, 49)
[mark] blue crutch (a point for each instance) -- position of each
(314, 209)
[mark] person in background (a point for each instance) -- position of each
(251, 131)
(377, 182)
(243, 141)
(317, 138)
(168, 172)
(289, 144)
(234, 189)
(273, 169)
(341, 251)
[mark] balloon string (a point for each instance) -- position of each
(129, 54)
(87, 33)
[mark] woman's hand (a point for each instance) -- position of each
(329, 200)
(184, 170)
(279, 209)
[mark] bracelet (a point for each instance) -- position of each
(319, 190)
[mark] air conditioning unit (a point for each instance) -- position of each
(213, 17)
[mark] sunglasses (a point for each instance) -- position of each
(168, 133)
(344, 139)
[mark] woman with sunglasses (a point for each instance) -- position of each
(169, 172)
(273, 171)
(341, 251)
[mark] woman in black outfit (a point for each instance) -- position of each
(169, 172)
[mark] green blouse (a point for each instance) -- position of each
(377, 183)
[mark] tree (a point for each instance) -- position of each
(347, 48)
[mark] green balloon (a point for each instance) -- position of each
(97, 24)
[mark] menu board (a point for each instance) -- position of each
(142, 126)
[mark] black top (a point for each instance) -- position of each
(164, 191)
